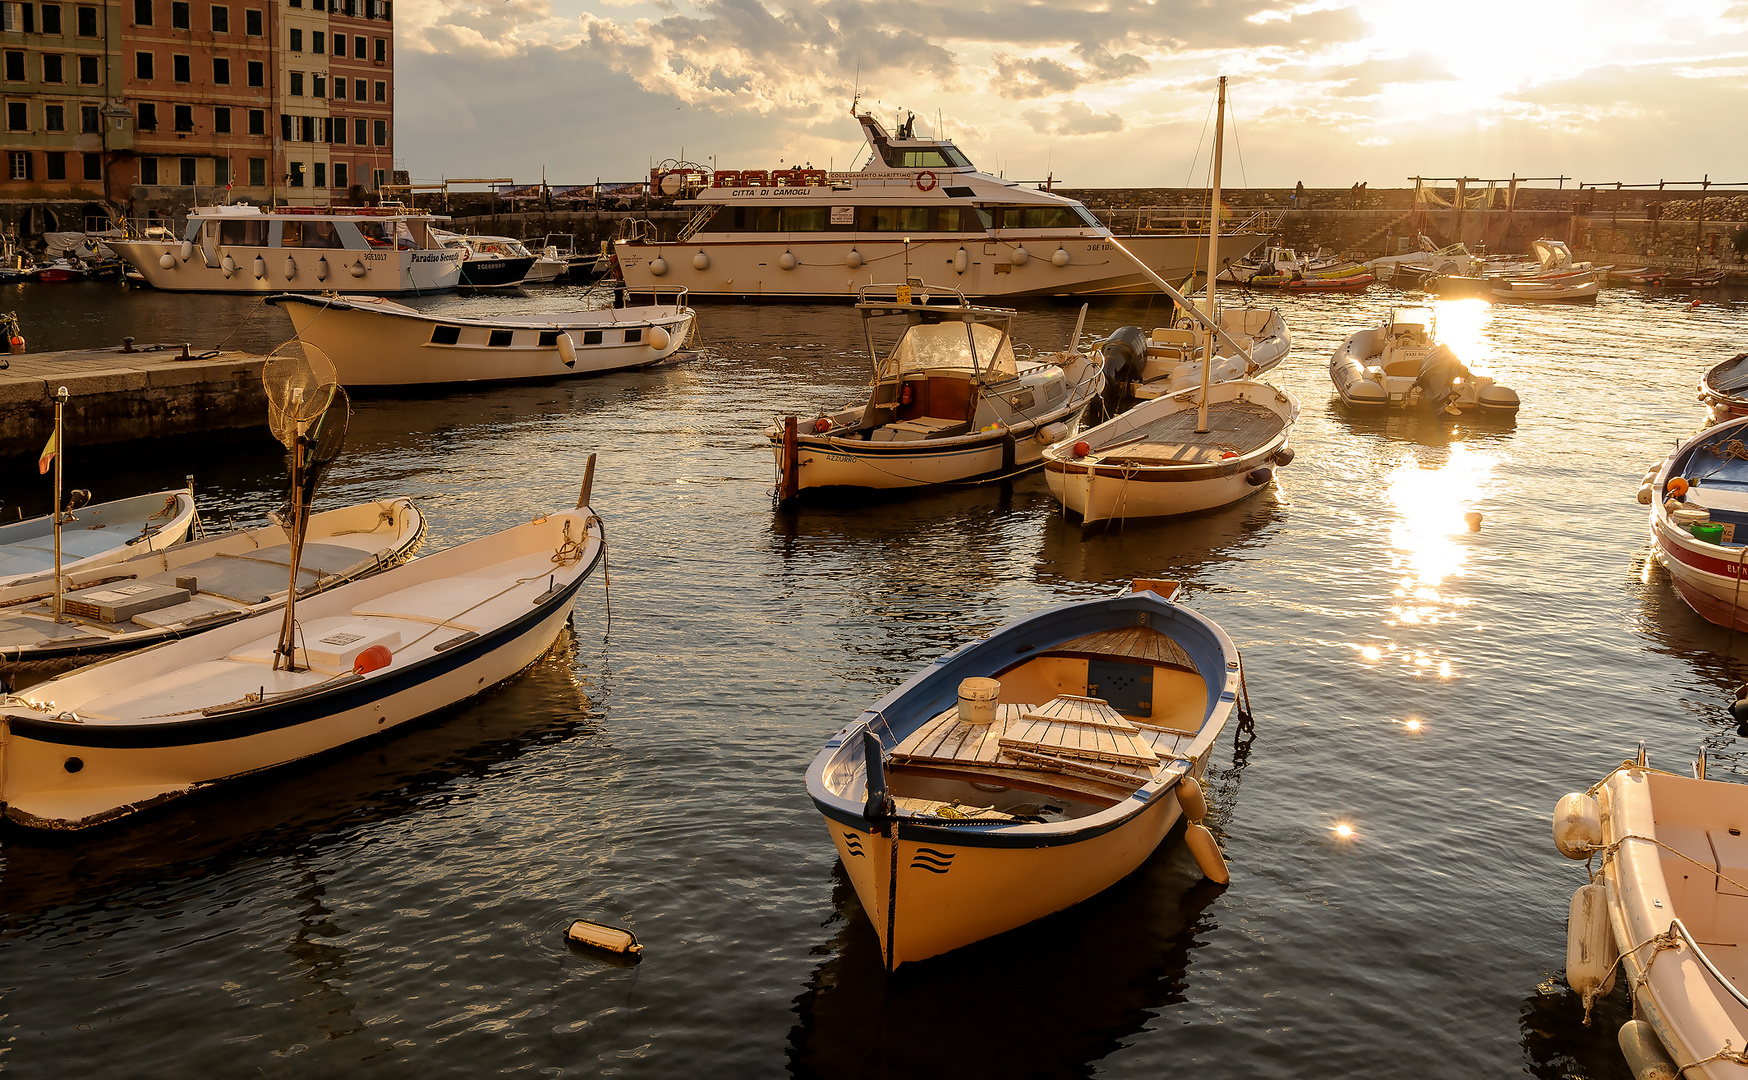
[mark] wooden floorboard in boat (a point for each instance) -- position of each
(1140, 643)
(1233, 426)
(1065, 735)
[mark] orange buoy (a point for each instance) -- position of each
(822, 425)
(1678, 486)
(1082, 448)
(17, 343)
(377, 656)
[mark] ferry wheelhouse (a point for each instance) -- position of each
(918, 208)
(343, 249)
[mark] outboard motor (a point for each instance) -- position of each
(1125, 353)
(1439, 373)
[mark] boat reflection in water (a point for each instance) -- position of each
(1014, 1005)
(1716, 659)
(1182, 548)
(1423, 426)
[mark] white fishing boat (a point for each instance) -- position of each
(1276, 267)
(487, 262)
(1028, 770)
(1453, 259)
(1255, 340)
(1170, 456)
(1574, 289)
(1400, 364)
(1699, 521)
(344, 249)
(950, 401)
(1723, 390)
(93, 535)
(918, 207)
(1666, 906)
(377, 342)
(196, 586)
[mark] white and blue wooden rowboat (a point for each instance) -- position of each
(196, 586)
(1698, 503)
(1052, 787)
(94, 535)
(108, 740)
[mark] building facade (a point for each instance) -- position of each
(143, 108)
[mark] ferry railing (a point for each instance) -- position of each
(675, 294)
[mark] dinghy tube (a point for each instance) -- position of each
(1590, 948)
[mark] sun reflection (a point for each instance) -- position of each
(1430, 504)
(1372, 652)
(1343, 830)
(1462, 325)
(1412, 723)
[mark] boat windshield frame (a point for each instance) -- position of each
(928, 311)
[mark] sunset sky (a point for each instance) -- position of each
(1101, 93)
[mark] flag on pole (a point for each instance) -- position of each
(49, 450)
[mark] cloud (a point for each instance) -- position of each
(1072, 118)
(1041, 76)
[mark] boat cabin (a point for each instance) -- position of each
(343, 228)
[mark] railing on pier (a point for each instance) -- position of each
(1184, 219)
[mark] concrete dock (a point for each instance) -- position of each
(115, 395)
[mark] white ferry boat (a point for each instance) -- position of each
(342, 249)
(919, 208)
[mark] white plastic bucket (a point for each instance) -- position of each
(977, 698)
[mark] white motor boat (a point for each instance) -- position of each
(1454, 259)
(196, 586)
(951, 402)
(1254, 342)
(1666, 906)
(917, 208)
(343, 249)
(1400, 364)
(376, 342)
(487, 262)
(93, 535)
(1167, 456)
(1572, 289)
(1279, 266)
(103, 742)
(1699, 500)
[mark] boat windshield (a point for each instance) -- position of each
(946, 345)
(925, 157)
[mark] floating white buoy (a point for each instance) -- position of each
(1060, 258)
(260, 268)
(701, 261)
(658, 338)
(961, 261)
(854, 259)
(611, 938)
(322, 268)
(567, 349)
(1577, 825)
(786, 260)
(1190, 797)
(1590, 950)
(167, 261)
(658, 266)
(358, 269)
(1206, 849)
(1019, 256)
(187, 250)
(1646, 1056)
(290, 268)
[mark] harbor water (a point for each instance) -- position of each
(399, 909)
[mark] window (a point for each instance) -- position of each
(257, 121)
(257, 172)
(306, 129)
(378, 177)
(381, 90)
(87, 22)
(221, 119)
(184, 117)
(339, 44)
(339, 174)
(318, 86)
(297, 174)
(321, 174)
(88, 120)
(54, 118)
(143, 65)
(148, 170)
(51, 18)
(296, 84)
(285, 127)
(317, 41)
(339, 89)
(296, 40)
(55, 165)
(17, 116)
(381, 127)
(142, 12)
(187, 172)
(179, 68)
(221, 171)
(93, 166)
(339, 131)
(221, 71)
(252, 23)
(20, 162)
(358, 47)
(88, 71)
(15, 66)
(358, 89)
(381, 50)
(221, 20)
(179, 14)
(148, 116)
(257, 73)
(53, 67)
(360, 131)
(17, 18)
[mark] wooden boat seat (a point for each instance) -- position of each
(1171, 337)
(923, 427)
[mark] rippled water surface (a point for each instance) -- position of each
(400, 910)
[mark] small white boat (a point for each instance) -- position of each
(1400, 364)
(1572, 289)
(487, 262)
(196, 586)
(1153, 462)
(1454, 259)
(1255, 341)
(951, 402)
(1699, 521)
(1028, 770)
(1667, 906)
(1724, 389)
(108, 740)
(376, 342)
(94, 535)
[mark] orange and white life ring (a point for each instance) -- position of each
(925, 181)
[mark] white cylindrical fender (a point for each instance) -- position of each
(290, 268)
(659, 338)
(1190, 797)
(167, 261)
(358, 269)
(322, 268)
(1052, 433)
(1577, 825)
(701, 261)
(260, 268)
(1019, 256)
(658, 266)
(961, 261)
(1645, 494)
(1060, 258)
(228, 265)
(786, 260)
(853, 260)
(567, 349)
(1206, 849)
(187, 250)
(1590, 949)
(1646, 1055)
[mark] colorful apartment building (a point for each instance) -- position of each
(142, 108)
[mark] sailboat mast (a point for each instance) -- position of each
(1213, 253)
(60, 455)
